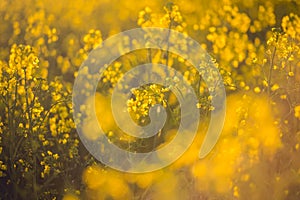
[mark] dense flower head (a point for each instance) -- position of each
(143, 99)
(290, 25)
(171, 19)
(23, 59)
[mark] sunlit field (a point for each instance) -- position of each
(255, 45)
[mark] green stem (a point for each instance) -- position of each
(270, 71)
(30, 133)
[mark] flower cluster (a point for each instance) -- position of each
(35, 119)
(171, 19)
(143, 98)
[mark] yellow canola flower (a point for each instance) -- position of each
(249, 129)
(70, 197)
(145, 98)
(258, 121)
(167, 187)
(117, 188)
(104, 116)
(94, 176)
(257, 90)
(275, 87)
(297, 111)
(106, 183)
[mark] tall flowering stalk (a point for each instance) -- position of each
(35, 118)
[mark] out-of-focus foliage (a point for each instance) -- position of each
(254, 44)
